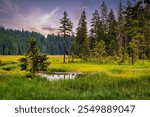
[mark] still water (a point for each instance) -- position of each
(57, 76)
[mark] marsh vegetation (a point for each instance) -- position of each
(103, 81)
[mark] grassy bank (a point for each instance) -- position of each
(105, 81)
(94, 86)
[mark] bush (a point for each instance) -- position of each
(109, 59)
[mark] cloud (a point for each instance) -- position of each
(32, 17)
(3, 11)
(37, 19)
(38, 30)
(8, 7)
(49, 29)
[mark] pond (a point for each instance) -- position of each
(60, 75)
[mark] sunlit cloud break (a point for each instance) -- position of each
(33, 20)
(38, 20)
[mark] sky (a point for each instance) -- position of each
(44, 15)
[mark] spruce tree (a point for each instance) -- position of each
(34, 61)
(96, 29)
(99, 51)
(104, 16)
(82, 42)
(111, 41)
(134, 30)
(121, 40)
(65, 28)
(147, 27)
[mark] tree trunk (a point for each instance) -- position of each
(129, 57)
(64, 47)
(132, 58)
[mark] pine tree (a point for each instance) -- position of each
(34, 61)
(147, 27)
(121, 35)
(95, 29)
(134, 30)
(32, 54)
(65, 28)
(99, 51)
(104, 17)
(82, 42)
(111, 41)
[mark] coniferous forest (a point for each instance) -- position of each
(15, 42)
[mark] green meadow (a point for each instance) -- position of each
(100, 81)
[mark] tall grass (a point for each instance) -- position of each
(93, 86)
(9, 58)
(105, 81)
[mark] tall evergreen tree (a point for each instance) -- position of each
(134, 30)
(99, 51)
(34, 61)
(104, 16)
(121, 34)
(65, 28)
(147, 27)
(96, 29)
(82, 42)
(111, 41)
(120, 26)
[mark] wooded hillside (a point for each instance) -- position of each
(15, 42)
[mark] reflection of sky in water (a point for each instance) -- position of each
(61, 76)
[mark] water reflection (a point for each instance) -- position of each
(59, 76)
